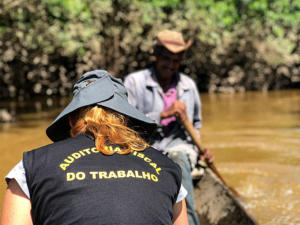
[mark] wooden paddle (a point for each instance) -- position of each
(191, 131)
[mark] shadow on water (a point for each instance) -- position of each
(26, 113)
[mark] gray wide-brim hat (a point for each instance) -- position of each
(100, 88)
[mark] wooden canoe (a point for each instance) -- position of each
(216, 205)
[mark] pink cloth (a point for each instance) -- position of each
(169, 98)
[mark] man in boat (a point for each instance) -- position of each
(168, 97)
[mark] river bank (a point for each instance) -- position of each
(236, 46)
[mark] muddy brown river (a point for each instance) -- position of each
(254, 136)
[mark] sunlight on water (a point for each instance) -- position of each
(256, 140)
(255, 137)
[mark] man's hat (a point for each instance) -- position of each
(173, 41)
(98, 87)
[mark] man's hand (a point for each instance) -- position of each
(177, 109)
(207, 156)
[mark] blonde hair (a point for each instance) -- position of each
(109, 128)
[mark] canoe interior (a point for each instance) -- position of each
(216, 205)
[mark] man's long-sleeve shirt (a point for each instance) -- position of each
(145, 93)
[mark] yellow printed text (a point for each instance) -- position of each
(76, 155)
(123, 174)
(148, 160)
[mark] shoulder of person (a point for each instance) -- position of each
(161, 156)
(71, 141)
(137, 75)
(187, 80)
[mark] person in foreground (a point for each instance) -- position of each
(99, 170)
(169, 97)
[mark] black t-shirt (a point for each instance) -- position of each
(70, 182)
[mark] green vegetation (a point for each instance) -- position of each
(238, 45)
